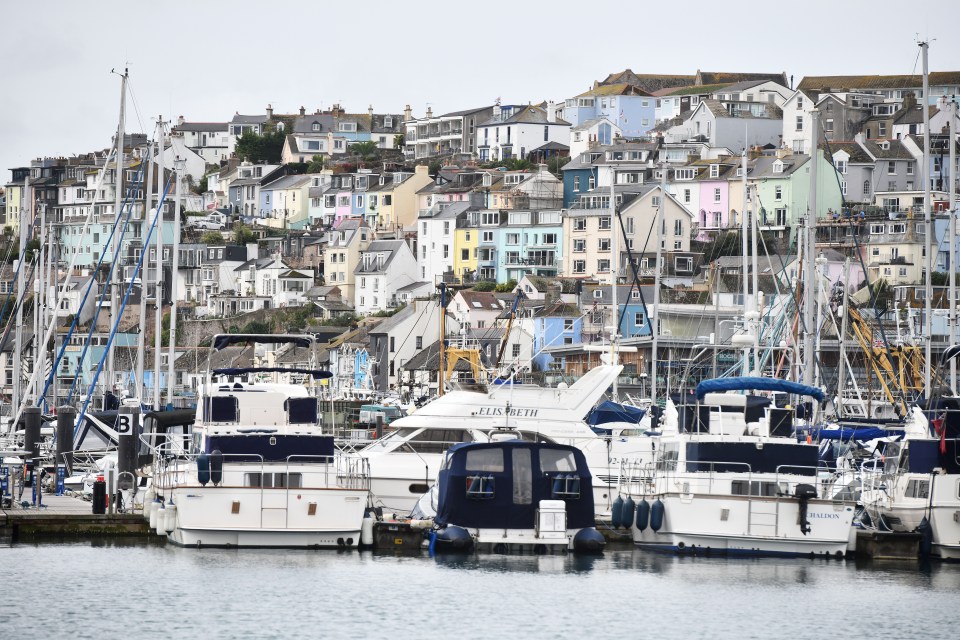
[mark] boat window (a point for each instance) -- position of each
(485, 460)
(301, 410)
(256, 480)
(668, 457)
(918, 488)
(754, 488)
(522, 477)
(437, 440)
(273, 480)
(554, 460)
(221, 409)
(891, 453)
(288, 480)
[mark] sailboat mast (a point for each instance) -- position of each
(952, 185)
(656, 284)
(927, 228)
(141, 391)
(614, 267)
(175, 263)
(117, 203)
(39, 303)
(26, 215)
(809, 266)
(844, 319)
(158, 263)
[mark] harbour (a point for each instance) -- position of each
(226, 593)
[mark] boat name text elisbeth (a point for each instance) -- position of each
(502, 411)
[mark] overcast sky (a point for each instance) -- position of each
(206, 60)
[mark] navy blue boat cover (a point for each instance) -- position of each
(500, 484)
(609, 411)
(752, 382)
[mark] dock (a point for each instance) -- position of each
(66, 517)
(886, 546)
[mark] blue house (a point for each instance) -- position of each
(580, 176)
(596, 302)
(629, 107)
(555, 324)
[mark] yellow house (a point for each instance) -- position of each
(398, 200)
(465, 243)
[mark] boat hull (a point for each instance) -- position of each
(742, 526)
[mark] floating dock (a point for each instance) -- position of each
(64, 517)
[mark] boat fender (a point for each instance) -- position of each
(203, 469)
(171, 518)
(154, 511)
(588, 541)
(643, 515)
(148, 499)
(161, 524)
(366, 530)
(657, 513)
(627, 511)
(615, 513)
(216, 467)
(453, 538)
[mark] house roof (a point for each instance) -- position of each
(895, 150)
(586, 124)
(852, 149)
(567, 285)
(287, 182)
(201, 126)
(527, 115)
(428, 359)
(618, 89)
(551, 146)
(481, 300)
(716, 77)
(763, 166)
(239, 119)
(390, 247)
(414, 286)
(839, 83)
(647, 81)
(688, 91)
(465, 112)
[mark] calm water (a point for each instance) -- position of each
(137, 590)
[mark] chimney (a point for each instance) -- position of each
(370, 111)
(303, 111)
(179, 120)
(429, 112)
(551, 112)
(269, 111)
(407, 113)
(909, 101)
(496, 111)
(860, 138)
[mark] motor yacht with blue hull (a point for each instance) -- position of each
(515, 496)
(257, 469)
(915, 485)
(731, 478)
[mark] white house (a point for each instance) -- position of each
(435, 238)
(476, 309)
(592, 133)
(513, 131)
(384, 267)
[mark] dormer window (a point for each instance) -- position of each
(513, 178)
(487, 179)
(348, 127)
(315, 126)
(387, 122)
(714, 171)
(598, 294)
(778, 167)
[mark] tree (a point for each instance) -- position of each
(367, 150)
(399, 141)
(265, 149)
(555, 163)
(506, 287)
(202, 185)
(316, 164)
(486, 285)
(212, 237)
(242, 234)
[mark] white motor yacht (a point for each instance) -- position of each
(258, 469)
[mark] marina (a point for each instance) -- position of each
(225, 593)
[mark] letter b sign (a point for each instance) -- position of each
(124, 424)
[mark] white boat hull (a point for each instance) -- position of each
(735, 525)
(251, 517)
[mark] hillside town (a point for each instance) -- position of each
(527, 231)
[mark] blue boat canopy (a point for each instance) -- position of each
(609, 411)
(748, 383)
(225, 340)
(239, 371)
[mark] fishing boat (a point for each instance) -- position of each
(258, 469)
(511, 495)
(731, 478)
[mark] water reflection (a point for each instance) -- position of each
(507, 563)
